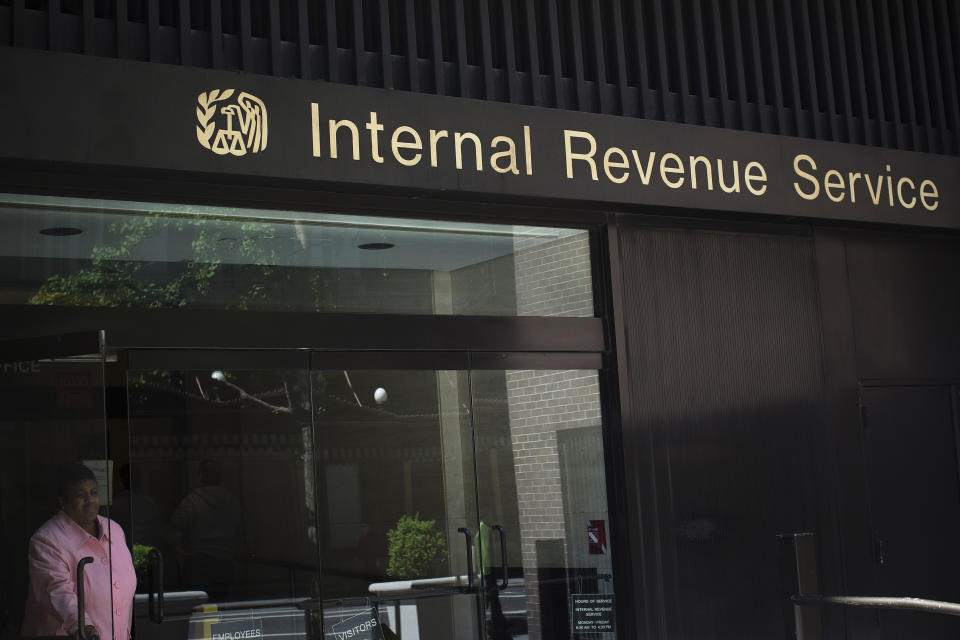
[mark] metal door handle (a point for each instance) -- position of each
(155, 577)
(503, 557)
(81, 622)
(469, 540)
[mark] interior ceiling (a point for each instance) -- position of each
(300, 240)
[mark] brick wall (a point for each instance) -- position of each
(552, 279)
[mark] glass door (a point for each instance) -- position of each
(463, 495)
(366, 495)
(397, 496)
(218, 493)
(546, 567)
(55, 479)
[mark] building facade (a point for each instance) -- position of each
(541, 320)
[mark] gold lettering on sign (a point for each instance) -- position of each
(233, 128)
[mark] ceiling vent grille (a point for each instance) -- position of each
(876, 72)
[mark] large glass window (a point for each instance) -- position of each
(97, 253)
(284, 492)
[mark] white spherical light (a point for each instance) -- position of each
(380, 395)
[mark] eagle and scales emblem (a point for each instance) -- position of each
(243, 123)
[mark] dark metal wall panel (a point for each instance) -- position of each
(158, 329)
(906, 306)
(724, 360)
(850, 560)
(876, 72)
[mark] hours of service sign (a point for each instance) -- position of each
(592, 612)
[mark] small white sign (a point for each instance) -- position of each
(249, 629)
(103, 470)
(365, 626)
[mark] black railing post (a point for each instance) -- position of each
(469, 540)
(81, 614)
(798, 568)
(155, 578)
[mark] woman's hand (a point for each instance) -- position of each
(90, 632)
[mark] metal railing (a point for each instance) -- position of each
(806, 602)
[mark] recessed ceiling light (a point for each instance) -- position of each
(61, 231)
(376, 246)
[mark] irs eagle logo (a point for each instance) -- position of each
(231, 127)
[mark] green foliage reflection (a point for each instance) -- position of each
(415, 549)
(120, 274)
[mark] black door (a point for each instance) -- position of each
(909, 436)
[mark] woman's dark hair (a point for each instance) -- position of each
(69, 474)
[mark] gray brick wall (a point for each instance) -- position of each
(552, 279)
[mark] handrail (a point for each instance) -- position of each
(421, 585)
(803, 586)
(882, 602)
(260, 604)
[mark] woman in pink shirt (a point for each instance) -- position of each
(77, 531)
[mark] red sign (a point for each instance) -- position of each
(597, 536)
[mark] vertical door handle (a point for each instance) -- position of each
(469, 540)
(503, 557)
(81, 614)
(155, 577)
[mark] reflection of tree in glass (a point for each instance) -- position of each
(119, 276)
(273, 391)
(264, 412)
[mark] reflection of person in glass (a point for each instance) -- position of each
(367, 556)
(208, 526)
(75, 532)
(148, 513)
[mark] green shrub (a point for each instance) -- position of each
(415, 548)
(141, 557)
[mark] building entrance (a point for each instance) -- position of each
(53, 392)
(323, 494)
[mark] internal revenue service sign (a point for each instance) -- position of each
(111, 113)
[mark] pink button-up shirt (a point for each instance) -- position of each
(55, 550)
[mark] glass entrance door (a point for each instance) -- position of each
(267, 497)
(546, 557)
(219, 494)
(464, 495)
(55, 480)
(397, 497)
